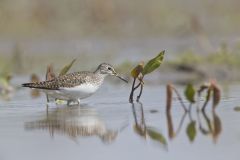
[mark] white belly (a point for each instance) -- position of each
(78, 92)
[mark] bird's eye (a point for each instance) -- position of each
(109, 68)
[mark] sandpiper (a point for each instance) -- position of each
(75, 86)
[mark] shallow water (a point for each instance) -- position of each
(106, 126)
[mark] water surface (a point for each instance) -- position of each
(106, 126)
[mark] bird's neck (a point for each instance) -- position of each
(99, 76)
(98, 73)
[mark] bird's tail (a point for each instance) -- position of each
(49, 85)
(31, 85)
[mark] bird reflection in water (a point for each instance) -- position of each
(74, 122)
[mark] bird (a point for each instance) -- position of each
(75, 86)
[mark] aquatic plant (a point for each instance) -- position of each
(49, 76)
(66, 68)
(6, 89)
(211, 88)
(212, 91)
(140, 71)
(143, 129)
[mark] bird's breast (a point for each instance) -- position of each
(83, 88)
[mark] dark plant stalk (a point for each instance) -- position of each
(132, 91)
(137, 86)
(169, 98)
(134, 88)
(204, 105)
(207, 99)
(140, 93)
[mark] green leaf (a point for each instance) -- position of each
(191, 131)
(66, 68)
(153, 63)
(155, 135)
(190, 93)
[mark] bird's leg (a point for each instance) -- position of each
(69, 102)
(78, 102)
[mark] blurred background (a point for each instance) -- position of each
(201, 38)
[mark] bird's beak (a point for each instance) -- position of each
(117, 75)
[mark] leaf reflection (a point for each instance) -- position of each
(191, 130)
(142, 129)
(204, 124)
(157, 136)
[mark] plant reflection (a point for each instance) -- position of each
(144, 130)
(171, 132)
(74, 122)
(214, 127)
(85, 121)
(202, 123)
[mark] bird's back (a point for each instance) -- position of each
(65, 81)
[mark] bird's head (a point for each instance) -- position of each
(107, 69)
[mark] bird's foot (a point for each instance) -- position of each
(73, 102)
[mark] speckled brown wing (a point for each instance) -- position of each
(65, 81)
(74, 79)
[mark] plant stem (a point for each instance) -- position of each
(134, 88)
(140, 93)
(207, 99)
(137, 86)
(132, 91)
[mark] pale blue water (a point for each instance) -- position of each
(103, 128)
